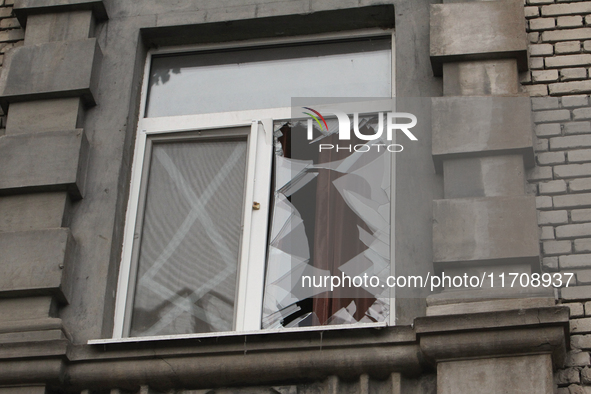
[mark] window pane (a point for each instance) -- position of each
(190, 238)
(269, 77)
(331, 217)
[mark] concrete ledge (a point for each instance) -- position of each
(478, 31)
(184, 32)
(24, 390)
(15, 310)
(51, 161)
(36, 263)
(240, 360)
(23, 351)
(32, 336)
(33, 325)
(507, 294)
(495, 230)
(534, 317)
(34, 371)
(23, 8)
(34, 211)
(506, 333)
(51, 70)
(469, 127)
(490, 306)
(506, 342)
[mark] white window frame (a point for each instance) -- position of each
(251, 267)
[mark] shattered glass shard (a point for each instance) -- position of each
(331, 217)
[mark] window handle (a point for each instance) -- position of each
(256, 206)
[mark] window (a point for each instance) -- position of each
(223, 216)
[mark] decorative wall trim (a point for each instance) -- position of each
(24, 8)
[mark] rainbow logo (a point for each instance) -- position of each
(315, 118)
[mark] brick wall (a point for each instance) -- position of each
(11, 36)
(560, 66)
(560, 47)
(562, 181)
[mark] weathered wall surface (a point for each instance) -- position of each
(83, 217)
(560, 57)
(560, 61)
(11, 36)
(110, 127)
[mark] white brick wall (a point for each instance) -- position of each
(560, 47)
(562, 180)
(560, 64)
(559, 81)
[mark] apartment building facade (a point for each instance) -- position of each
(137, 135)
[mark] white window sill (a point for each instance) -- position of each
(235, 333)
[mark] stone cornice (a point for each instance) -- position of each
(23, 8)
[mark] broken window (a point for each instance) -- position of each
(330, 218)
(228, 209)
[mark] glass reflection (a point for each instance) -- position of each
(331, 217)
(268, 77)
